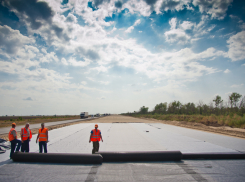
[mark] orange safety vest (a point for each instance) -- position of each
(95, 136)
(11, 136)
(25, 134)
(42, 134)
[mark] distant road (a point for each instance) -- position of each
(5, 130)
(27, 117)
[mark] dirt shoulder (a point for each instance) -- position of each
(225, 130)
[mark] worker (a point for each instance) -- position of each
(43, 138)
(25, 138)
(95, 138)
(13, 140)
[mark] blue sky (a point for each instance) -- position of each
(106, 56)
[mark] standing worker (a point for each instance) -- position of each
(25, 138)
(13, 140)
(95, 138)
(43, 138)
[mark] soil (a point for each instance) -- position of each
(235, 132)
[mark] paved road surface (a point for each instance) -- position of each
(131, 137)
(5, 130)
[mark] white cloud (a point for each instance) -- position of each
(237, 46)
(84, 82)
(216, 8)
(28, 99)
(165, 5)
(236, 86)
(49, 57)
(129, 30)
(137, 22)
(104, 82)
(187, 25)
(92, 51)
(12, 40)
(227, 71)
(72, 61)
(98, 81)
(176, 35)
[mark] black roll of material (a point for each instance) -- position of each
(57, 158)
(141, 156)
(213, 156)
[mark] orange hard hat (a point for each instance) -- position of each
(96, 125)
(14, 124)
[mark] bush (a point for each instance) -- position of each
(20, 119)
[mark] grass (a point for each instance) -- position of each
(232, 120)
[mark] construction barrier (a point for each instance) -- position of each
(141, 156)
(213, 156)
(57, 158)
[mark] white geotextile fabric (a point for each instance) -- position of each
(130, 137)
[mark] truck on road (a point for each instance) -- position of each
(84, 115)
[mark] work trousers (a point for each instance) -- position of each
(96, 146)
(25, 146)
(43, 145)
(13, 146)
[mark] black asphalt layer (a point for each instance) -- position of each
(57, 158)
(141, 156)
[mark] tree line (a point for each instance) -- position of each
(234, 105)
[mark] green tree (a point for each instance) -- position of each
(174, 107)
(217, 101)
(234, 98)
(190, 108)
(143, 110)
(160, 108)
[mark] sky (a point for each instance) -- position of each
(106, 56)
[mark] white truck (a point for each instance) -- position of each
(84, 115)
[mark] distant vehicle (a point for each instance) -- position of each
(97, 115)
(84, 115)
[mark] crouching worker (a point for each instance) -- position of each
(25, 138)
(43, 138)
(95, 138)
(13, 140)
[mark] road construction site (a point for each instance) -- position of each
(127, 134)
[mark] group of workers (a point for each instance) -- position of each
(26, 136)
(42, 137)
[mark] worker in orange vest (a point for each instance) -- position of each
(95, 138)
(25, 138)
(13, 140)
(43, 138)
